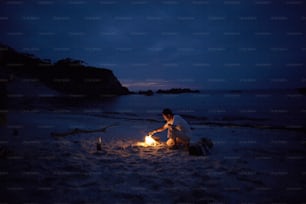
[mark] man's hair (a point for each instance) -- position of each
(167, 111)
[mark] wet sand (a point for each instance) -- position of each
(247, 165)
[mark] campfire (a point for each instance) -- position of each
(148, 141)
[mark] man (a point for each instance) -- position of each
(179, 131)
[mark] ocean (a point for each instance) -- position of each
(275, 109)
(271, 109)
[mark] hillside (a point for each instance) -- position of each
(67, 76)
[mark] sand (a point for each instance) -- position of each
(247, 165)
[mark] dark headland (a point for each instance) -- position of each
(66, 76)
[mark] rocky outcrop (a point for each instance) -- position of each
(67, 76)
(147, 93)
(177, 91)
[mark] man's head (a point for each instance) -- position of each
(167, 114)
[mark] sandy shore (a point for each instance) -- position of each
(247, 165)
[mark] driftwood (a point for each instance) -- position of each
(78, 131)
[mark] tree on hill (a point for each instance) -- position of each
(70, 62)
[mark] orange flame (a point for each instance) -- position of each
(150, 141)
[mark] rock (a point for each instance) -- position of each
(177, 91)
(147, 93)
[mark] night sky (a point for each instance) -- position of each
(250, 44)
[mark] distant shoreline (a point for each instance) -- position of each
(150, 92)
(166, 91)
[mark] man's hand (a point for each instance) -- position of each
(151, 133)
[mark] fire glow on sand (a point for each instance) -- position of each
(149, 141)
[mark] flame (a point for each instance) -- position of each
(150, 141)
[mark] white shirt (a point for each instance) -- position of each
(181, 125)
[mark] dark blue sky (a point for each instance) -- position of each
(162, 44)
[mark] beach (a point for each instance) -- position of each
(256, 158)
(83, 83)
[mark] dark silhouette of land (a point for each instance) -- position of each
(67, 76)
(147, 93)
(167, 91)
(177, 91)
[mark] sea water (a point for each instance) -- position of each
(275, 108)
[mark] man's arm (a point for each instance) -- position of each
(166, 126)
